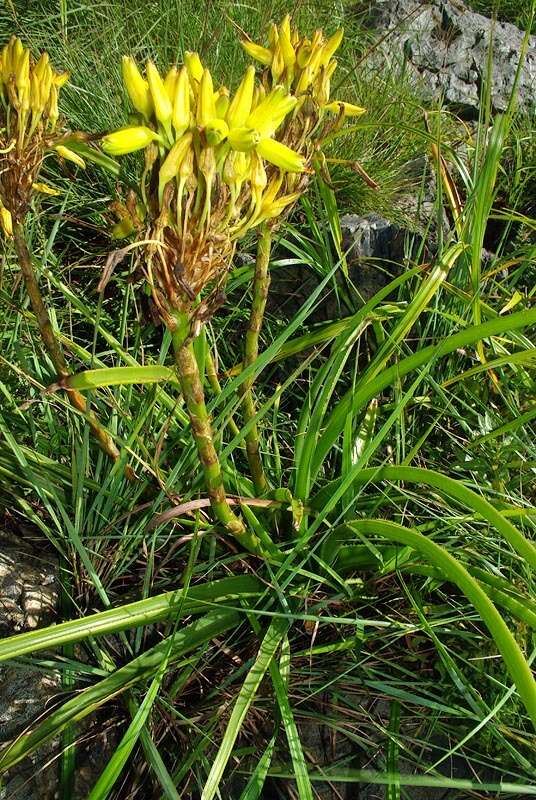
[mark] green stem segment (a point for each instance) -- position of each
(194, 398)
(52, 344)
(261, 283)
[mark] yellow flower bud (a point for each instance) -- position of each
(6, 221)
(216, 131)
(128, 140)
(137, 87)
(53, 113)
(61, 78)
(236, 167)
(240, 106)
(40, 68)
(282, 156)
(305, 80)
(304, 53)
(285, 43)
(243, 139)
(170, 81)
(194, 66)
(276, 207)
(222, 105)
(347, 109)
(44, 188)
(162, 104)
(331, 46)
(206, 108)
(36, 104)
(181, 103)
(170, 167)
(64, 152)
(257, 52)
(22, 74)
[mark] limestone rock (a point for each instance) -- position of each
(445, 45)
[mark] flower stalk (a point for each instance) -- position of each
(52, 344)
(194, 398)
(261, 284)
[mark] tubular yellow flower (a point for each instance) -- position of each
(257, 52)
(331, 46)
(348, 109)
(282, 156)
(137, 87)
(161, 102)
(170, 167)
(61, 78)
(287, 51)
(6, 221)
(44, 188)
(128, 140)
(206, 107)
(181, 103)
(222, 105)
(68, 155)
(243, 139)
(170, 81)
(276, 207)
(240, 106)
(193, 65)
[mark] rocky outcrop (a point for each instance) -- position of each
(446, 45)
(28, 596)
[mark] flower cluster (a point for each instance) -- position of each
(28, 127)
(304, 67)
(219, 164)
(214, 170)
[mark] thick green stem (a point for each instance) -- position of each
(261, 283)
(52, 344)
(194, 398)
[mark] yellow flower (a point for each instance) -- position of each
(206, 107)
(170, 167)
(161, 102)
(347, 109)
(243, 139)
(128, 140)
(257, 52)
(181, 103)
(44, 188)
(137, 87)
(240, 106)
(279, 154)
(6, 221)
(69, 155)
(194, 66)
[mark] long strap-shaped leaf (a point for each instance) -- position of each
(268, 648)
(143, 667)
(447, 486)
(514, 659)
(143, 612)
(354, 400)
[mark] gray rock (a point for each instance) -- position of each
(445, 45)
(28, 596)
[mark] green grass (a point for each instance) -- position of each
(401, 466)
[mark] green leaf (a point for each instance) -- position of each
(272, 639)
(437, 555)
(120, 376)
